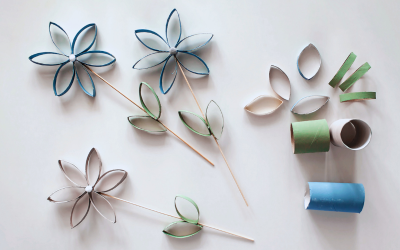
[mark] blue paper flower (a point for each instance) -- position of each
(72, 55)
(173, 49)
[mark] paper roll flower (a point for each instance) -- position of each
(171, 49)
(87, 185)
(184, 220)
(310, 136)
(77, 57)
(336, 197)
(303, 60)
(263, 105)
(354, 134)
(309, 104)
(211, 124)
(150, 117)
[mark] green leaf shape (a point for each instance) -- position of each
(151, 119)
(193, 203)
(189, 127)
(210, 122)
(165, 231)
(144, 105)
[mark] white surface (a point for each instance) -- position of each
(37, 128)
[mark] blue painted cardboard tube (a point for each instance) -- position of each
(337, 197)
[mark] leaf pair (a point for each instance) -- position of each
(167, 230)
(151, 120)
(213, 124)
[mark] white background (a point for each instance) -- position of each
(38, 128)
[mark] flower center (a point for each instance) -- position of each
(173, 51)
(88, 189)
(72, 58)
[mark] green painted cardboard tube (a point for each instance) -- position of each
(343, 69)
(310, 136)
(357, 96)
(354, 77)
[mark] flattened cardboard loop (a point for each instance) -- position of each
(93, 93)
(52, 199)
(92, 25)
(263, 105)
(80, 199)
(153, 33)
(210, 120)
(87, 167)
(156, 117)
(282, 90)
(187, 39)
(310, 136)
(176, 223)
(175, 73)
(150, 56)
(125, 174)
(353, 134)
(193, 203)
(309, 48)
(66, 53)
(207, 72)
(357, 96)
(170, 42)
(336, 197)
(180, 112)
(56, 77)
(303, 110)
(343, 69)
(112, 58)
(62, 58)
(62, 165)
(133, 117)
(99, 196)
(354, 77)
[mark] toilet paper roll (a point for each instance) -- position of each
(337, 197)
(310, 136)
(354, 134)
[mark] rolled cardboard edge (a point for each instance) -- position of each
(339, 137)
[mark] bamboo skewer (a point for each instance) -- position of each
(109, 84)
(204, 225)
(215, 139)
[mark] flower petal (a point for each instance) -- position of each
(49, 58)
(215, 119)
(197, 66)
(263, 105)
(194, 42)
(195, 220)
(113, 177)
(168, 74)
(309, 104)
(66, 194)
(182, 229)
(90, 37)
(151, 60)
(155, 97)
(60, 39)
(72, 173)
(103, 206)
(58, 78)
(93, 167)
(97, 58)
(309, 62)
(173, 29)
(151, 43)
(84, 78)
(79, 213)
(194, 126)
(280, 82)
(146, 123)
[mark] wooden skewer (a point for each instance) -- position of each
(215, 139)
(109, 84)
(204, 225)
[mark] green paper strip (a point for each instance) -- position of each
(189, 127)
(357, 96)
(144, 105)
(310, 136)
(343, 69)
(354, 77)
(182, 236)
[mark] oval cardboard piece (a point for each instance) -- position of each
(309, 62)
(309, 104)
(280, 82)
(263, 105)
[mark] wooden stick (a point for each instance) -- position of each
(216, 141)
(204, 225)
(109, 84)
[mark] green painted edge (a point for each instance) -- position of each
(144, 105)
(151, 131)
(194, 204)
(343, 69)
(355, 76)
(223, 121)
(184, 236)
(201, 118)
(355, 96)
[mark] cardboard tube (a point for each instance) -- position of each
(353, 134)
(336, 197)
(310, 136)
